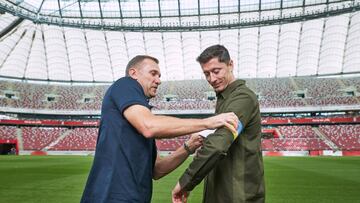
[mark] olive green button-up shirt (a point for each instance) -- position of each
(232, 168)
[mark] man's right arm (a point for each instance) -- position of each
(156, 126)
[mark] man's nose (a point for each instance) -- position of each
(212, 78)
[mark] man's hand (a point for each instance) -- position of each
(195, 142)
(179, 196)
(229, 120)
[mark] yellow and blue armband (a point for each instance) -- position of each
(238, 130)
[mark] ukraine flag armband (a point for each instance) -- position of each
(238, 130)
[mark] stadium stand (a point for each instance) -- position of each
(293, 138)
(294, 144)
(8, 132)
(83, 139)
(272, 93)
(297, 131)
(346, 137)
(36, 138)
(187, 95)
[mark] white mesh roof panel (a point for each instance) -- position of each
(268, 41)
(288, 50)
(6, 20)
(248, 51)
(309, 47)
(332, 49)
(322, 46)
(191, 51)
(118, 52)
(173, 56)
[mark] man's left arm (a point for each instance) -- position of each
(215, 146)
(164, 165)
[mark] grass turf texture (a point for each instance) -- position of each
(288, 179)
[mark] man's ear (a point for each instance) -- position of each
(231, 64)
(133, 73)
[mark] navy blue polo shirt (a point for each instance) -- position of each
(124, 159)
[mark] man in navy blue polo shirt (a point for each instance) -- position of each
(126, 158)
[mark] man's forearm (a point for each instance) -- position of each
(155, 126)
(213, 150)
(168, 127)
(169, 163)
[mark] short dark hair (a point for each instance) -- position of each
(215, 51)
(138, 59)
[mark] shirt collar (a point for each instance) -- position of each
(230, 88)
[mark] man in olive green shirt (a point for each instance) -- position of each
(231, 164)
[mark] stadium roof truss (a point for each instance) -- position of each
(92, 40)
(173, 15)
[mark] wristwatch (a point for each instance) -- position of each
(188, 150)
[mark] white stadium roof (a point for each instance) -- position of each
(71, 40)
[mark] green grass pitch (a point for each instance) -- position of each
(36, 179)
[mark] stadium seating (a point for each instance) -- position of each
(346, 137)
(7, 132)
(79, 139)
(171, 144)
(293, 138)
(36, 138)
(190, 95)
(297, 131)
(294, 144)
